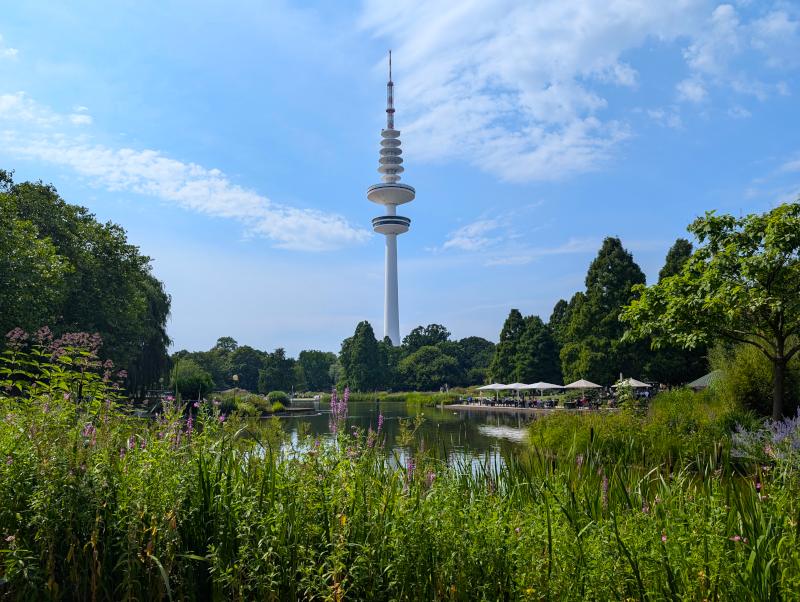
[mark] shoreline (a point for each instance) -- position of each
(512, 410)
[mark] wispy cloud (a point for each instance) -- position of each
(523, 256)
(7, 52)
(518, 88)
(474, 236)
(29, 130)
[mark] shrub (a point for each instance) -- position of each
(277, 406)
(278, 396)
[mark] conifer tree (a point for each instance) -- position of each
(503, 366)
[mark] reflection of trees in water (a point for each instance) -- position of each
(442, 433)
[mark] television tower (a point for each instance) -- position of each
(390, 194)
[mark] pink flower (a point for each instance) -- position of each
(736, 538)
(196, 404)
(221, 418)
(663, 537)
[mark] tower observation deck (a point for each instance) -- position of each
(390, 193)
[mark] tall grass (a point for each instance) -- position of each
(95, 504)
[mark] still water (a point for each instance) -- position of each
(455, 435)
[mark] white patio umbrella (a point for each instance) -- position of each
(493, 387)
(543, 386)
(633, 383)
(583, 384)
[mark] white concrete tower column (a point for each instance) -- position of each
(390, 194)
(391, 309)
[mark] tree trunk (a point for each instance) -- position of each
(778, 378)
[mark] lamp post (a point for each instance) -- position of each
(235, 386)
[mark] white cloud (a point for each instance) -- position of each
(512, 87)
(80, 119)
(777, 35)
(516, 88)
(525, 256)
(27, 132)
(691, 90)
(738, 112)
(667, 117)
(720, 42)
(791, 165)
(6, 52)
(474, 236)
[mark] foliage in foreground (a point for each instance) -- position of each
(95, 504)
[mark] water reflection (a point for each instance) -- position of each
(458, 437)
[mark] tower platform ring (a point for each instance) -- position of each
(391, 193)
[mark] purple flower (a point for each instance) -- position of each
(221, 418)
(517, 530)
(736, 538)
(410, 466)
(9, 460)
(430, 477)
(663, 537)
(380, 422)
(189, 425)
(131, 442)
(196, 404)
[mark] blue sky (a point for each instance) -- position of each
(235, 145)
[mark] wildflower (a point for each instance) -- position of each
(380, 422)
(663, 537)
(645, 507)
(189, 425)
(121, 452)
(410, 467)
(221, 418)
(10, 538)
(90, 433)
(517, 530)
(736, 538)
(9, 460)
(16, 338)
(196, 404)
(215, 402)
(131, 442)
(430, 477)
(43, 335)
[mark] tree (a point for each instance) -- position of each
(432, 334)
(428, 369)
(474, 355)
(677, 256)
(504, 361)
(671, 364)
(247, 363)
(32, 274)
(226, 345)
(89, 278)
(537, 354)
(190, 379)
(360, 359)
(316, 366)
(592, 346)
(278, 372)
(742, 284)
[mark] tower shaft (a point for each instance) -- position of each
(391, 306)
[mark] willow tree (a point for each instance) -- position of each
(742, 284)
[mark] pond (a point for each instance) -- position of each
(455, 435)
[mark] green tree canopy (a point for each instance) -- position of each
(361, 361)
(316, 366)
(89, 278)
(247, 363)
(432, 334)
(591, 345)
(677, 256)
(503, 366)
(671, 364)
(742, 284)
(537, 354)
(278, 372)
(428, 369)
(190, 380)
